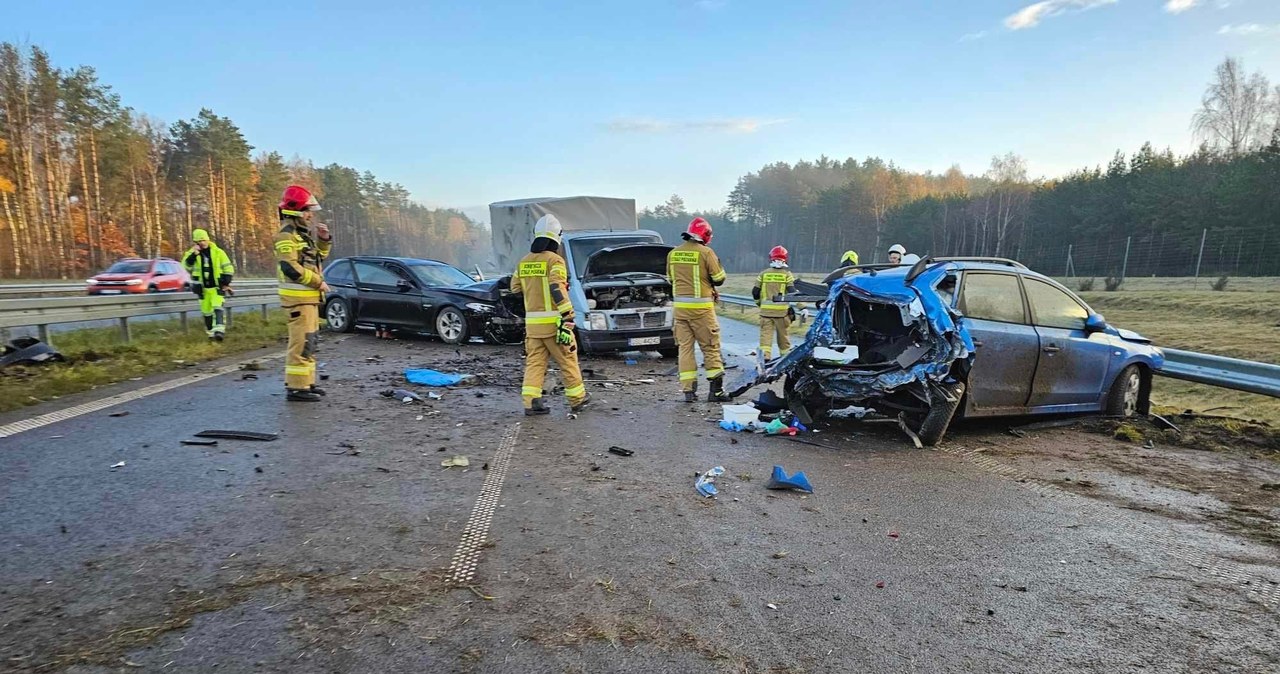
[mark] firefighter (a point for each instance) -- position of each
(542, 277)
(775, 317)
(211, 272)
(849, 258)
(896, 251)
(301, 246)
(695, 273)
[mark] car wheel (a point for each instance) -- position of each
(935, 423)
(152, 289)
(1125, 397)
(673, 352)
(338, 315)
(451, 326)
(186, 287)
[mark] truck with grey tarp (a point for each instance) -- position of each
(617, 271)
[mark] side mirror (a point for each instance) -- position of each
(1095, 323)
(403, 286)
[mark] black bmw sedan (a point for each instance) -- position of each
(420, 296)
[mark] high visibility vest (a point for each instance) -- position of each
(692, 269)
(297, 251)
(773, 282)
(536, 276)
(207, 269)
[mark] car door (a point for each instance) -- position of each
(376, 288)
(1006, 345)
(1073, 361)
(408, 306)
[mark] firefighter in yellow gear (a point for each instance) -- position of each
(301, 247)
(695, 273)
(775, 316)
(211, 273)
(543, 278)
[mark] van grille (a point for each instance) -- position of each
(648, 319)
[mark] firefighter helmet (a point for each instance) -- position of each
(850, 257)
(548, 227)
(699, 230)
(298, 198)
(778, 253)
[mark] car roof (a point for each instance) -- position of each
(403, 260)
(966, 265)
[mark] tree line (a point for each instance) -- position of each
(85, 180)
(1229, 188)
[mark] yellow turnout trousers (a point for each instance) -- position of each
(540, 350)
(769, 326)
(300, 360)
(698, 326)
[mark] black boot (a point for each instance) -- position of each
(302, 395)
(575, 407)
(539, 407)
(318, 391)
(717, 394)
(691, 396)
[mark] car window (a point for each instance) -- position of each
(129, 267)
(375, 274)
(993, 297)
(338, 272)
(437, 275)
(1053, 308)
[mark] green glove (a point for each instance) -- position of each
(564, 334)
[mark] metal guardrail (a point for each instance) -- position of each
(42, 312)
(1232, 373)
(60, 289)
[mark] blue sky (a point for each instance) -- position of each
(471, 102)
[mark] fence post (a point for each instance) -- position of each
(1200, 257)
(124, 329)
(264, 312)
(1124, 268)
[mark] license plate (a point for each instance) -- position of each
(110, 292)
(644, 341)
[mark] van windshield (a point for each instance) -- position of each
(584, 248)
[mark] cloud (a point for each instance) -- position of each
(711, 5)
(1031, 15)
(727, 125)
(970, 37)
(1248, 29)
(1179, 6)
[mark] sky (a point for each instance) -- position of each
(466, 103)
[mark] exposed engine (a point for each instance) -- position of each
(629, 297)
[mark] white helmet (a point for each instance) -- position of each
(548, 227)
(910, 259)
(897, 248)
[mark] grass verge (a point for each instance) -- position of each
(96, 357)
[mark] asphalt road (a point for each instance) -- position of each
(340, 547)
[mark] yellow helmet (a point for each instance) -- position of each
(849, 257)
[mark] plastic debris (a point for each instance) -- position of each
(777, 427)
(880, 585)
(842, 355)
(893, 534)
(118, 465)
(772, 606)
(456, 460)
(238, 435)
(28, 351)
(706, 482)
(742, 414)
(769, 402)
(199, 443)
(403, 395)
(852, 411)
(434, 396)
(621, 451)
(426, 377)
(780, 480)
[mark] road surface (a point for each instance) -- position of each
(345, 546)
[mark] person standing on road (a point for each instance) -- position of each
(300, 248)
(211, 272)
(896, 251)
(695, 273)
(775, 317)
(543, 278)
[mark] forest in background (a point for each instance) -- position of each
(85, 180)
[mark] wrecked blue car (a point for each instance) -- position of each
(955, 337)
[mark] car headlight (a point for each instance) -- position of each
(480, 307)
(91, 281)
(133, 282)
(596, 321)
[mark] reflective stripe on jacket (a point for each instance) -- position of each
(773, 282)
(543, 279)
(207, 270)
(694, 271)
(299, 259)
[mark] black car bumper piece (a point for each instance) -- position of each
(597, 341)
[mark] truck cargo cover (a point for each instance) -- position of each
(512, 221)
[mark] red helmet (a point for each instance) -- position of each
(699, 230)
(778, 253)
(297, 198)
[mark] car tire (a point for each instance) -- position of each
(337, 314)
(186, 287)
(934, 425)
(673, 352)
(451, 326)
(152, 289)
(1125, 397)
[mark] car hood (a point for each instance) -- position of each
(632, 257)
(943, 335)
(1131, 336)
(482, 290)
(119, 277)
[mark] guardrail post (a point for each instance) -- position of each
(182, 319)
(124, 329)
(264, 312)
(226, 316)
(43, 331)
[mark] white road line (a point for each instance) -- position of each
(10, 430)
(465, 559)
(1256, 587)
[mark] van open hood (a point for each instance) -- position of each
(632, 257)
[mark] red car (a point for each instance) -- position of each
(136, 275)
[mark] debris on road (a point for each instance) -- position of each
(252, 366)
(1270, 486)
(403, 395)
(780, 554)
(706, 482)
(772, 606)
(851, 411)
(769, 402)
(199, 443)
(118, 414)
(117, 465)
(456, 460)
(425, 377)
(621, 451)
(248, 376)
(1164, 423)
(28, 351)
(238, 435)
(880, 585)
(893, 535)
(780, 480)
(915, 439)
(435, 396)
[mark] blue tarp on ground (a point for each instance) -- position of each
(425, 377)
